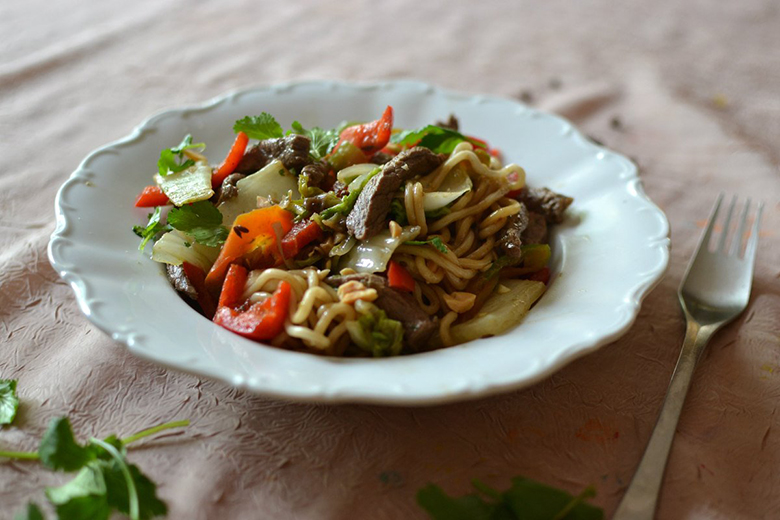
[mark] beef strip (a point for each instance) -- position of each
(381, 158)
(368, 215)
(315, 174)
(229, 189)
(511, 240)
(451, 123)
(179, 280)
(292, 150)
(536, 232)
(546, 202)
(400, 306)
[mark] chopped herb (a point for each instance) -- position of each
(434, 241)
(281, 173)
(9, 403)
(200, 220)
(525, 499)
(153, 228)
(170, 158)
(398, 212)
(259, 127)
(438, 213)
(322, 141)
(436, 138)
(187, 244)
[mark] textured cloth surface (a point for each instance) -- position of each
(689, 90)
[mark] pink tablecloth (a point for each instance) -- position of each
(689, 90)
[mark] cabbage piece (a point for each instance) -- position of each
(273, 182)
(172, 249)
(349, 173)
(189, 185)
(501, 312)
(372, 255)
(377, 334)
(451, 189)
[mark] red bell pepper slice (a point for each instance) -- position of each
(233, 287)
(234, 156)
(542, 275)
(197, 278)
(263, 320)
(370, 137)
(151, 196)
(302, 234)
(399, 278)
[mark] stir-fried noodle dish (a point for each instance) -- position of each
(363, 240)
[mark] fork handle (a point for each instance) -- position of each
(641, 498)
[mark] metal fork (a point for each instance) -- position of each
(714, 291)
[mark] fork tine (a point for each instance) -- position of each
(752, 245)
(726, 224)
(736, 242)
(705, 238)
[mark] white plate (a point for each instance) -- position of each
(608, 254)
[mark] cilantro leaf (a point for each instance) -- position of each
(169, 157)
(84, 497)
(526, 499)
(436, 138)
(259, 127)
(152, 229)
(434, 241)
(322, 141)
(200, 220)
(9, 403)
(149, 505)
(32, 512)
(58, 448)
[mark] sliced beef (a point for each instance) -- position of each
(180, 281)
(382, 158)
(368, 216)
(292, 150)
(253, 160)
(229, 189)
(315, 174)
(536, 232)
(451, 123)
(511, 240)
(400, 306)
(546, 202)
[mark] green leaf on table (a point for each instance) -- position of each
(200, 220)
(9, 403)
(435, 138)
(526, 499)
(152, 228)
(31, 512)
(59, 449)
(149, 505)
(322, 141)
(84, 497)
(170, 158)
(259, 127)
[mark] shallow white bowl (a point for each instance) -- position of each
(608, 254)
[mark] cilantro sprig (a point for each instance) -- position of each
(259, 127)
(322, 141)
(525, 499)
(105, 482)
(436, 242)
(9, 403)
(200, 220)
(153, 228)
(436, 138)
(170, 158)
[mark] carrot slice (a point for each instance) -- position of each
(151, 196)
(234, 156)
